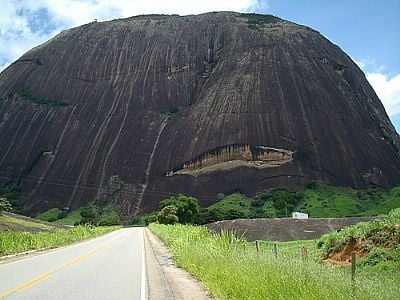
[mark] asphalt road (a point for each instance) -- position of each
(109, 267)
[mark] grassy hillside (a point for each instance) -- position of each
(376, 243)
(71, 218)
(18, 223)
(318, 200)
(59, 217)
(91, 214)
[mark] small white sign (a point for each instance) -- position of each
(299, 215)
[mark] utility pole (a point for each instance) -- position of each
(286, 209)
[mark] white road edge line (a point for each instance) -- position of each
(143, 277)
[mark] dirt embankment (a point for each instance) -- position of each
(285, 229)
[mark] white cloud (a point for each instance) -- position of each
(17, 34)
(386, 86)
(75, 12)
(388, 90)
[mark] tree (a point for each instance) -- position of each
(90, 214)
(4, 205)
(188, 208)
(109, 217)
(285, 202)
(167, 215)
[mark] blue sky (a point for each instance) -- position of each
(369, 31)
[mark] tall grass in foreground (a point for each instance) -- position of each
(16, 242)
(231, 269)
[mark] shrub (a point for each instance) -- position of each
(210, 215)
(151, 218)
(4, 205)
(109, 217)
(90, 214)
(167, 215)
(12, 196)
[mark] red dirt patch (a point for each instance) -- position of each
(343, 255)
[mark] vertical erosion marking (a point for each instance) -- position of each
(47, 169)
(149, 165)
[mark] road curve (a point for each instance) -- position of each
(109, 267)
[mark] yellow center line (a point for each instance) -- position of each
(42, 277)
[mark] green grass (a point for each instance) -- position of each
(50, 215)
(235, 205)
(71, 219)
(389, 200)
(17, 242)
(328, 202)
(11, 222)
(232, 269)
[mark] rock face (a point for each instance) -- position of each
(132, 110)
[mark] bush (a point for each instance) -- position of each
(167, 215)
(109, 217)
(148, 219)
(90, 214)
(137, 221)
(209, 215)
(4, 205)
(12, 196)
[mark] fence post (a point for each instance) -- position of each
(276, 249)
(353, 273)
(257, 246)
(304, 253)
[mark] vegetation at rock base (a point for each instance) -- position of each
(231, 268)
(168, 215)
(51, 215)
(17, 242)
(12, 196)
(377, 243)
(5, 205)
(187, 208)
(91, 214)
(318, 200)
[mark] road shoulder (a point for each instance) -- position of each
(165, 280)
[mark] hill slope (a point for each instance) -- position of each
(14, 223)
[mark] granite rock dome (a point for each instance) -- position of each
(132, 110)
